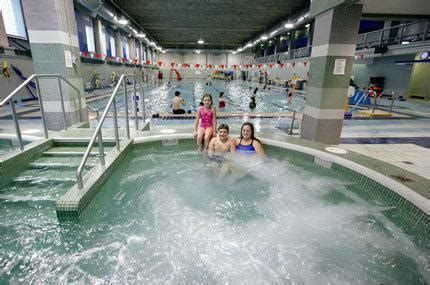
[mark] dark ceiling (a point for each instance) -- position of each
(178, 24)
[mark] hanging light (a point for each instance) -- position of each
(263, 38)
(200, 41)
(198, 51)
(141, 35)
(289, 25)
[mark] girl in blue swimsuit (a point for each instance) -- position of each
(247, 142)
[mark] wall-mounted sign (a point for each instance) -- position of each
(339, 66)
(68, 58)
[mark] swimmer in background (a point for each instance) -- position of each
(220, 149)
(221, 101)
(252, 104)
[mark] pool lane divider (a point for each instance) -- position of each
(71, 205)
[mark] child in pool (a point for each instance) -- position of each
(221, 144)
(220, 148)
(207, 116)
(247, 142)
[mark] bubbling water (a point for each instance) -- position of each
(166, 216)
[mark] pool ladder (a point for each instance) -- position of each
(98, 132)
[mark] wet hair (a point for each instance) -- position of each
(209, 96)
(252, 99)
(177, 93)
(221, 94)
(201, 103)
(224, 127)
(252, 131)
(255, 90)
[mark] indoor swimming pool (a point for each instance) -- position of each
(237, 96)
(165, 216)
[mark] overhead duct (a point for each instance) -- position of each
(96, 7)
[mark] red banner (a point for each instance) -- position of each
(172, 64)
(270, 65)
(282, 65)
(197, 65)
(259, 66)
(305, 63)
(294, 64)
(160, 63)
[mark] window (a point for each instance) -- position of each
(112, 46)
(12, 18)
(89, 33)
(103, 43)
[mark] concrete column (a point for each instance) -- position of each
(118, 44)
(334, 40)
(97, 25)
(131, 48)
(3, 38)
(52, 34)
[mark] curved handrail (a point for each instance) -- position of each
(98, 131)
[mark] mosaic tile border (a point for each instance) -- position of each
(72, 204)
(16, 161)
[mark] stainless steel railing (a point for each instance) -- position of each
(10, 97)
(292, 54)
(98, 132)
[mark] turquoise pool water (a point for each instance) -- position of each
(164, 215)
(237, 94)
(7, 145)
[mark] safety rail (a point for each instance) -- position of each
(292, 54)
(410, 32)
(98, 132)
(375, 98)
(9, 99)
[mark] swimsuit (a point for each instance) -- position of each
(221, 104)
(206, 118)
(245, 148)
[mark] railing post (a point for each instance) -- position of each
(381, 37)
(101, 149)
(400, 35)
(115, 124)
(136, 121)
(42, 112)
(15, 120)
(79, 181)
(364, 41)
(392, 101)
(63, 110)
(426, 26)
(292, 122)
(127, 124)
(142, 103)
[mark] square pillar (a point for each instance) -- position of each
(334, 40)
(52, 33)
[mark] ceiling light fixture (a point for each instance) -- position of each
(273, 33)
(122, 21)
(141, 35)
(263, 38)
(198, 51)
(307, 25)
(289, 25)
(405, 42)
(300, 19)
(200, 41)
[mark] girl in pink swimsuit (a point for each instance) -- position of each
(207, 116)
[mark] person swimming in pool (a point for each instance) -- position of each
(247, 142)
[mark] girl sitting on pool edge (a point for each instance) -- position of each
(207, 116)
(247, 142)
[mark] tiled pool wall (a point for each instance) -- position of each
(398, 209)
(15, 162)
(71, 205)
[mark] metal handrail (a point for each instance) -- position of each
(98, 131)
(9, 99)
